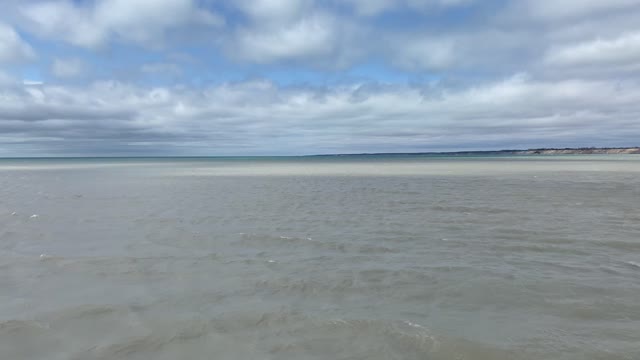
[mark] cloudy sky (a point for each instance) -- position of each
(286, 77)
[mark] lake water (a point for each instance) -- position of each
(320, 258)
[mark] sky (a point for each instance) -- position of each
(296, 77)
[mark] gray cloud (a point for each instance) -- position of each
(60, 111)
(260, 117)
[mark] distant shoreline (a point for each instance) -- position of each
(539, 151)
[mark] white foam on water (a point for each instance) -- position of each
(633, 264)
(407, 322)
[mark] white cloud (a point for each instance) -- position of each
(28, 82)
(624, 49)
(62, 19)
(141, 21)
(301, 31)
(68, 68)
(13, 48)
(309, 37)
(337, 34)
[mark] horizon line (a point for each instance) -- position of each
(416, 153)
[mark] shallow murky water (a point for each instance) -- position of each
(320, 258)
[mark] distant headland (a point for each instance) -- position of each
(540, 151)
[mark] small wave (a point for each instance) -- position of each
(88, 311)
(18, 326)
(271, 239)
(539, 248)
(374, 249)
(621, 245)
(291, 334)
(51, 258)
(469, 210)
(382, 339)
(262, 241)
(266, 241)
(633, 264)
(140, 344)
(348, 282)
(278, 334)
(600, 311)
